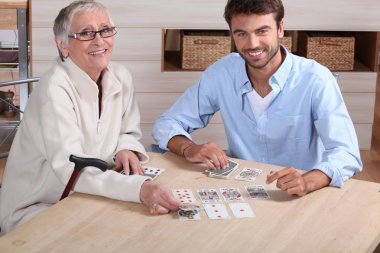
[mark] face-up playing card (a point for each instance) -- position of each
(216, 211)
(184, 195)
(209, 196)
(231, 194)
(189, 212)
(153, 172)
(241, 210)
(224, 173)
(248, 174)
(256, 192)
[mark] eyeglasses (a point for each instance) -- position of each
(90, 35)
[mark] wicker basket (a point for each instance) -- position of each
(286, 41)
(333, 50)
(200, 49)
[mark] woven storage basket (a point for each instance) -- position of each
(200, 49)
(286, 41)
(333, 50)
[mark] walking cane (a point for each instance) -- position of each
(80, 163)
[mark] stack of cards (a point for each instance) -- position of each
(224, 173)
(189, 212)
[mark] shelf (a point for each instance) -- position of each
(366, 56)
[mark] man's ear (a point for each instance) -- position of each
(62, 47)
(280, 31)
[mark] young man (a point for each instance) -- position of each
(277, 108)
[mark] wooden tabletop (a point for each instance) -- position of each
(328, 220)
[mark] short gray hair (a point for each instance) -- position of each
(62, 22)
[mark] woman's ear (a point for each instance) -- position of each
(62, 47)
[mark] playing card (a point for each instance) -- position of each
(189, 212)
(248, 174)
(209, 196)
(216, 211)
(184, 195)
(152, 172)
(256, 192)
(224, 173)
(231, 194)
(241, 210)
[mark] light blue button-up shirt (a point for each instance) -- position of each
(306, 126)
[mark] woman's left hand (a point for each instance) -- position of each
(129, 162)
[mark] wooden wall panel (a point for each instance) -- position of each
(213, 132)
(357, 81)
(153, 105)
(360, 106)
(339, 15)
(130, 44)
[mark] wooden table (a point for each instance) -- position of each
(329, 220)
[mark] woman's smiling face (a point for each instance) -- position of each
(94, 55)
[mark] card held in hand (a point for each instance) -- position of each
(189, 213)
(256, 192)
(184, 195)
(224, 173)
(152, 172)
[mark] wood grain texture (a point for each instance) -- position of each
(8, 19)
(328, 220)
(13, 4)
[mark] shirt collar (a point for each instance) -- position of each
(279, 77)
(85, 85)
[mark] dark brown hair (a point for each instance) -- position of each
(260, 7)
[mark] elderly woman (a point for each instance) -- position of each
(84, 105)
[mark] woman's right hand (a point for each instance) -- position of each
(157, 199)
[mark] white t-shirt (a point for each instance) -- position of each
(259, 104)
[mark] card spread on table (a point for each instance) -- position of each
(241, 210)
(231, 194)
(209, 196)
(224, 173)
(248, 174)
(256, 192)
(184, 195)
(189, 212)
(216, 211)
(152, 172)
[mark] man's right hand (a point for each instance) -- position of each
(209, 154)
